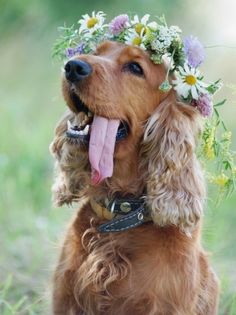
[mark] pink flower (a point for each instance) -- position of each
(204, 105)
(118, 24)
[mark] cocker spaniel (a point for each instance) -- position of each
(125, 152)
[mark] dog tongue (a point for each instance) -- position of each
(101, 147)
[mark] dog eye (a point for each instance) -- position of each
(134, 68)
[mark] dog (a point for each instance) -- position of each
(125, 152)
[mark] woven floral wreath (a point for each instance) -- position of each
(185, 55)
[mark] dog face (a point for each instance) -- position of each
(117, 82)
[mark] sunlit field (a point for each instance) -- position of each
(31, 104)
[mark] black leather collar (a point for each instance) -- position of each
(129, 213)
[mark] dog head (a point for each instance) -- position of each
(118, 113)
(120, 84)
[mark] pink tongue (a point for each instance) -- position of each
(101, 147)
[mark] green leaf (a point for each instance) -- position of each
(162, 20)
(68, 38)
(214, 87)
(220, 103)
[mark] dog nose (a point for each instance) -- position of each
(77, 70)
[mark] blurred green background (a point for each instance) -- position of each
(30, 106)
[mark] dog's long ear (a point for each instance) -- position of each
(176, 188)
(70, 167)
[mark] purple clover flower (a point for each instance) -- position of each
(204, 105)
(71, 52)
(194, 51)
(118, 24)
(80, 49)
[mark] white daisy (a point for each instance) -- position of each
(90, 24)
(141, 26)
(143, 20)
(133, 38)
(188, 83)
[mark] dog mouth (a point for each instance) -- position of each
(100, 134)
(81, 130)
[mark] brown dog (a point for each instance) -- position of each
(134, 247)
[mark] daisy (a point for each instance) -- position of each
(133, 38)
(189, 83)
(90, 24)
(142, 26)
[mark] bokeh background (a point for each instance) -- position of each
(31, 104)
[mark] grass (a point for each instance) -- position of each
(30, 106)
(29, 225)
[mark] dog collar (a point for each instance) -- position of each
(123, 214)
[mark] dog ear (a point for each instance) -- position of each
(70, 166)
(175, 185)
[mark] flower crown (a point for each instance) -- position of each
(157, 38)
(185, 56)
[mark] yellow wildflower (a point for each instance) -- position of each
(208, 145)
(220, 180)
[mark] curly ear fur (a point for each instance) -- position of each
(175, 184)
(71, 165)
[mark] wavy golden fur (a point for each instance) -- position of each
(158, 268)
